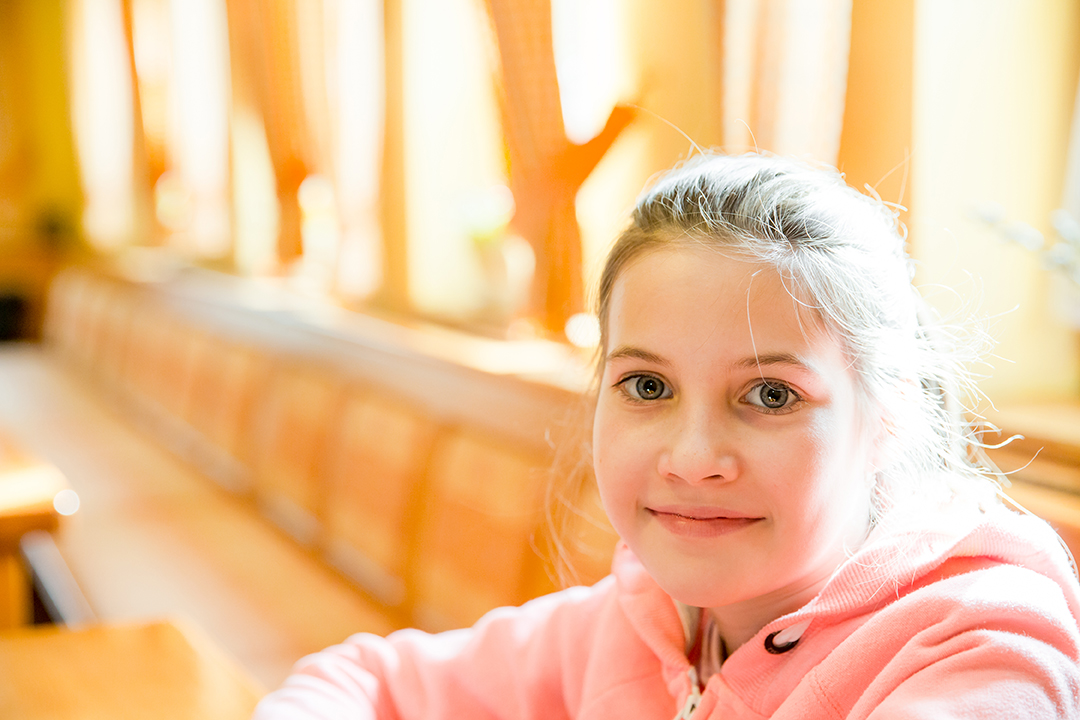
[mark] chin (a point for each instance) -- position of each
(692, 592)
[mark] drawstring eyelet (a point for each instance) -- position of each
(783, 640)
(774, 649)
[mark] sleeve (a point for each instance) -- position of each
(522, 662)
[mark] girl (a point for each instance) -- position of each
(803, 533)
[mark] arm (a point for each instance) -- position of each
(514, 663)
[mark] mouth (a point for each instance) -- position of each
(701, 522)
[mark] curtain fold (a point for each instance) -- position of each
(266, 73)
(782, 89)
(148, 151)
(546, 170)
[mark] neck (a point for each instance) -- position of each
(740, 622)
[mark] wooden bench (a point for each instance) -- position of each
(154, 537)
(319, 463)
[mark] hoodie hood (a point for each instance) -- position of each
(891, 564)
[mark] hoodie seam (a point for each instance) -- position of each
(602, 697)
(824, 698)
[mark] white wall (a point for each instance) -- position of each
(994, 84)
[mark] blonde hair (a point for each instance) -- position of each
(842, 257)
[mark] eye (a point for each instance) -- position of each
(771, 396)
(645, 387)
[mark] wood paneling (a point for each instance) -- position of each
(376, 467)
(475, 549)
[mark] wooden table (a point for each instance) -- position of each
(28, 489)
(159, 670)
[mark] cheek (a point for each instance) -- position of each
(833, 486)
(811, 469)
(606, 446)
(617, 460)
(610, 433)
(792, 474)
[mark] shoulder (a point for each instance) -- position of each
(1008, 559)
(984, 637)
(992, 569)
(988, 619)
(981, 593)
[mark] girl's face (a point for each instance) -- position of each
(729, 449)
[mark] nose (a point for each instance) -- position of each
(701, 448)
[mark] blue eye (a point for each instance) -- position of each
(645, 387)
(771, 396)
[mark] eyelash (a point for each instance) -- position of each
(634, 395)
(796, 398)
(624, 387)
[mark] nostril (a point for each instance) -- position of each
(705, 478)
(698, 452)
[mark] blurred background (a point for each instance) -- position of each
(469, 162)
(312, 277)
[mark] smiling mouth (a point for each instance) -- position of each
(701, 525)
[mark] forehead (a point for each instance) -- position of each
(698, 300)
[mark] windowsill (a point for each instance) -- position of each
(559, 365)
(1047, 449)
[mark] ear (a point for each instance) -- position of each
(882, 438)
(885, 431)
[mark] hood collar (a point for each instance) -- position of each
(888, 565)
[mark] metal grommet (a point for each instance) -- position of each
(774, 649)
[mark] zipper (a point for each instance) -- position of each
(692, 700)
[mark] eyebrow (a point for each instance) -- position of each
(769, 359)
(636, 353)
(772, 359)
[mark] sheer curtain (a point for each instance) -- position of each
(307, 81)
(784, 75)
(1070, 201)
(1065, 253)
(103, 115)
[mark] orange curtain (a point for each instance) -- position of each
(265, 59)
(784, 75)
(149, 148)
(546, 169)
(39, 179)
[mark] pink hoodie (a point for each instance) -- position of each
(968, 618)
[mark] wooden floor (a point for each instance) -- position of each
(155, 539)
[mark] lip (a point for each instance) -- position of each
(701, 522)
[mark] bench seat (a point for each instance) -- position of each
(155, 538)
